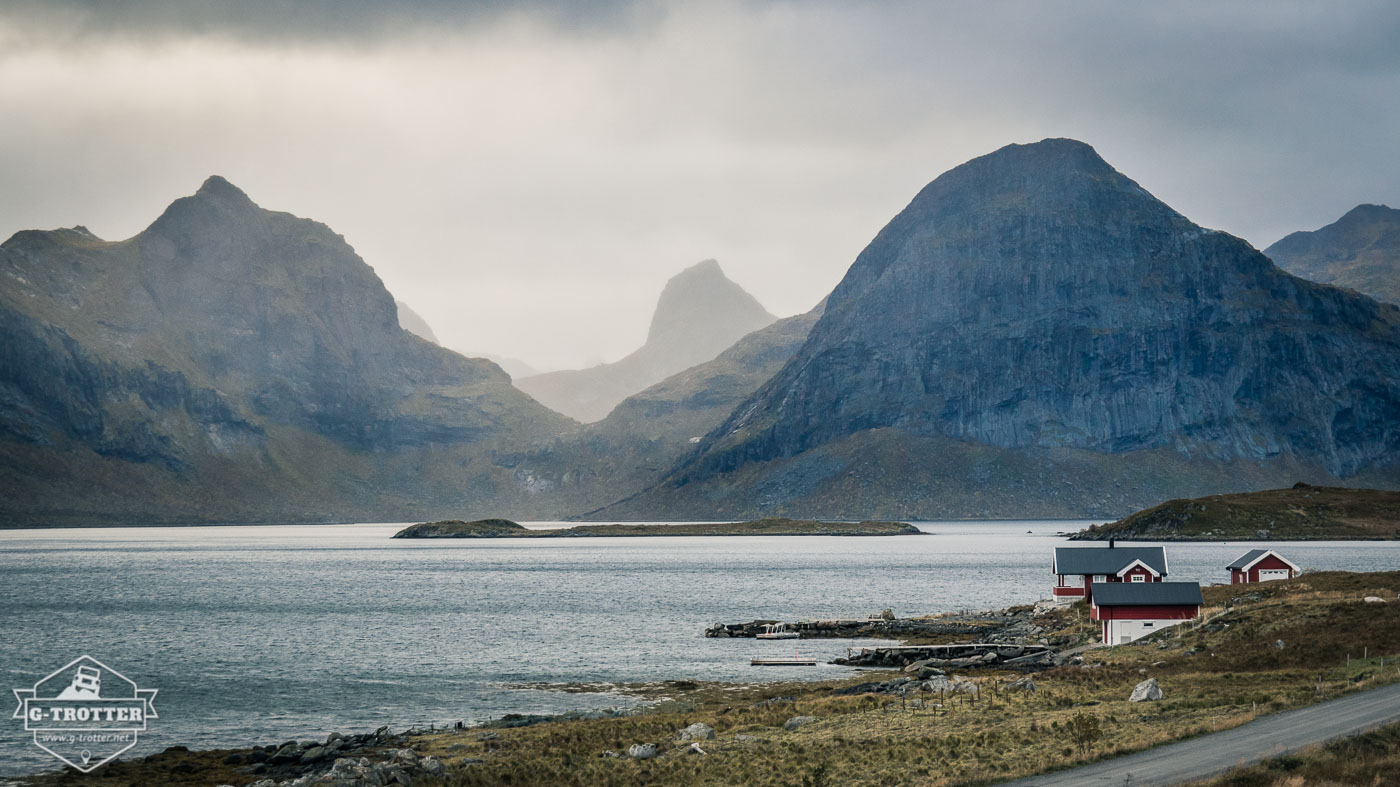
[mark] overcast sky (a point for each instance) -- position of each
(528, 175)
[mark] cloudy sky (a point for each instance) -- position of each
(528, 175)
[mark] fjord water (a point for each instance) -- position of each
(261, 634)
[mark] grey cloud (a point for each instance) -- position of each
(305, 21)
(527, 177)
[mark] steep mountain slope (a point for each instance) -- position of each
(700, 313)
(1361, 250)
(414, 323)
(1035, 334)
(231, 363)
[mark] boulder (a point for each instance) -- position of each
(1147, 691)
(1374, 600)
(696, 732)
(1023, 683)
(641, 751)
(798, 721)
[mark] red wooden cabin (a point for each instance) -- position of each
(1262, 565)
(1128, 611)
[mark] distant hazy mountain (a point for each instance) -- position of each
(1036, 335)
(1361, 251)
(650, 431)
(412, 322)
(700, 313)
(231, 363)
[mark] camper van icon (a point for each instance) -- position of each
(85, 713)
(86, 685)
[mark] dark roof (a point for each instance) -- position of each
(1147, 594)
(1247, 558)
(1107, 560)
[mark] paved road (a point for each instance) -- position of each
(1211, 755)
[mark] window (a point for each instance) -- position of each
(1147, 625)
(1098, 577)
(1139, 578)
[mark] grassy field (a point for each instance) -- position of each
(1215, 674)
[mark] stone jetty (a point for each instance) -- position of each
(1012, 625)
(961, 656)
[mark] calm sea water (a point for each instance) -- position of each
(261, 634)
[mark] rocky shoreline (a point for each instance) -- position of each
(1016, 625)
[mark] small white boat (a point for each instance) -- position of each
(776, 631)
(795, 660)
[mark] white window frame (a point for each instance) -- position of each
(1100, 578)
(1138, 578)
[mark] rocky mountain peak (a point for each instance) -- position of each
(1035, 299)
(1361, 250)
(698, 298)
(217, 187)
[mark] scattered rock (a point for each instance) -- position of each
(747, 738)
(696, 732)
(1374, 600)
(1146, 691)
(641, 751)
(771, 701)
(798, 721)
(1278, 644)
(609, 753)
(1023, 683)
(694, 748)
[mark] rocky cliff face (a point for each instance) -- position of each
(225, 342)
(700, 314)
(1361, 251)
(1036, 302)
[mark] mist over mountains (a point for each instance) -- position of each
(1035, 335)
(699, 314)
(231, 363)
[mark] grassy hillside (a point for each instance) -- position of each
(1301, 512)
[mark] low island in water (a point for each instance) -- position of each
(1300, 513)
(768, 526)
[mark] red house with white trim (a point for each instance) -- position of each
(1078, 569)
(1127, 611)
(1262, 565)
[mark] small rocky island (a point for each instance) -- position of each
(1301, 512)
(769, 526)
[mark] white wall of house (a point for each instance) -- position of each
(1121, 631)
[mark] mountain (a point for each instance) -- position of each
(1037, 335)
(700, 313)
(648, 432)
(1361, 251)
(235, 364)
(412, 322)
